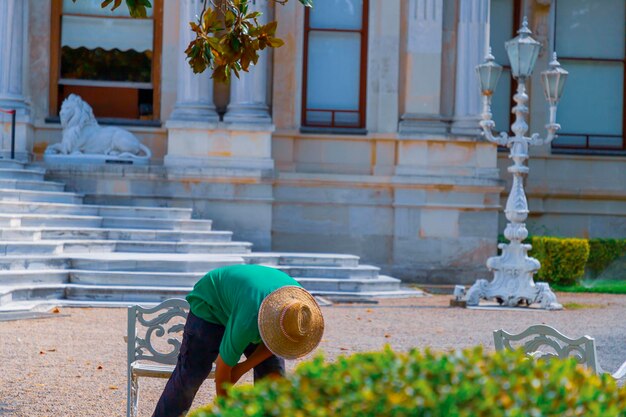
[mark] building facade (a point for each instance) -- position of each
(359, 135)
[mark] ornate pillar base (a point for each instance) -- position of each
(423, 123)
(193, 112)
(513, 281)
(248, 115)
(466, 126)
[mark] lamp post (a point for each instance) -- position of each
(513, 270)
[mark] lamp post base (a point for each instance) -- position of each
(538, 293)
(513, 283)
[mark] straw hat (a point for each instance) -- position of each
(290, 322)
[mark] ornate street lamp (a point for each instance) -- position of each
(513, 270)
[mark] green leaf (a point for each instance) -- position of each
(252, 15)
(307, 3)
(235, 43)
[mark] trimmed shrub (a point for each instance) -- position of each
(602, 252)
(562, 259)
(465, 383)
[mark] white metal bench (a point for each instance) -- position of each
(154, 339)
(554, 344)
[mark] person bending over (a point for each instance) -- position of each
(253, 310)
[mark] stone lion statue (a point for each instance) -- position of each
(83, 135)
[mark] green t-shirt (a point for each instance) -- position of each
(231, 296)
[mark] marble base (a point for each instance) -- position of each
(466, 127)
(225, 145)
(423, 123)
(93, 159)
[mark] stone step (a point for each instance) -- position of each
(387, 287)
(348, 296)
(22, 174)
(123, 293)
(49, 220)
(188, 279)
(30, 248)
(46, 295)
(169, 213)
(69, 233)
(29, 262)
(56, 220)
(302, 259)
(15, 184)
(94, 210)
(338, 272)
(151, 262)
(7, 194)
(137, 246)
(334, 285)
(11, 163)
(52, 247)
(16, 294)
(135, 279)
(148, 262)
(148, 223)
(34, 276)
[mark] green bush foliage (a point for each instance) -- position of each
(602, 252)
(562, 259)
(465, 383)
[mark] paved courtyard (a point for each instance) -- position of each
(74, 363)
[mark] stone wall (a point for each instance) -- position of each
(574, 195)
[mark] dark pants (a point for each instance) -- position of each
(198, 351)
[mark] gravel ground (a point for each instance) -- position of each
(74, 364)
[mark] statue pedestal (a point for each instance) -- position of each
(227, 145)
(93, 159)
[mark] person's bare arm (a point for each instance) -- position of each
(259, 355)
(223, 374)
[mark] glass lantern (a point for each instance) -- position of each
(523, 52)
(553, 81)
(488, 73)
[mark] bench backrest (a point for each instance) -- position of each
(545, 342)
(158, 324)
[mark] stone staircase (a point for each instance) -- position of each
(56, 250)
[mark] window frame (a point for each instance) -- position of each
(587, 148)
(55, 66)
(362, 81)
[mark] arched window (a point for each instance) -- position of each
(107, 57)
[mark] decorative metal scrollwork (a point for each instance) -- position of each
(158, 328)
(581, 349)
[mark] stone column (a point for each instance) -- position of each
(473, 32)
(248, 93)
(194, 118)
(194, 100)
(13, 63)
(422, 68)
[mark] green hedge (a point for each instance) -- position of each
(602, 253)
(466, 383)
(562, 260)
